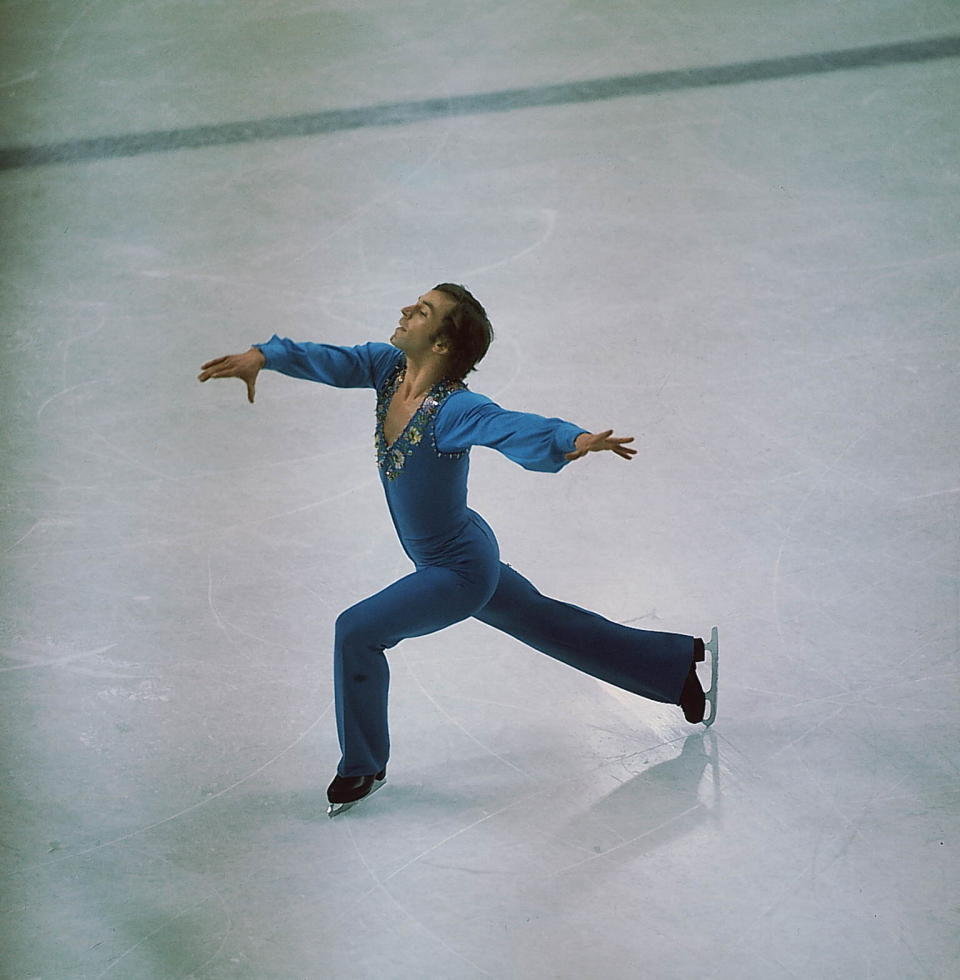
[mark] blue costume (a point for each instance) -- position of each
(458, 569)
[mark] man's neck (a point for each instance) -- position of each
(419, 378)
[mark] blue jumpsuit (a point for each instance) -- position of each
(457, 560)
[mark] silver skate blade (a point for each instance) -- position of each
(336, 808)
(714, 647)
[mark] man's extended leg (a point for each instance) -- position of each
(652, 664)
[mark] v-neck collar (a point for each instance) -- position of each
(392, 458)
(388, 401)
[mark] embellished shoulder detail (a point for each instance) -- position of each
(391, 459)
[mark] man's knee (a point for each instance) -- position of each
(356, 629)
(351, 627)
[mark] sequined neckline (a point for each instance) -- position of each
(392, 458)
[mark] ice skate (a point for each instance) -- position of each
(346, 791)
(694, 700)
(711, 695)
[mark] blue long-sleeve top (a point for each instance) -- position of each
(424, 471)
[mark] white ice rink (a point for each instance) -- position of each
(754, 272)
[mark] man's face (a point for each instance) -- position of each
(420, 321)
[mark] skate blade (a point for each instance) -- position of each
(334, 809)
(714, 648)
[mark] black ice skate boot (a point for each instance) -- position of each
(346, 791)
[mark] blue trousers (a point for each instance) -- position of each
(651, 664)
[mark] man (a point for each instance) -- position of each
(427, 421)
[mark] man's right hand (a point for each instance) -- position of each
(245, 366)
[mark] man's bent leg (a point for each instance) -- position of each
(651, 664)
(420, 603)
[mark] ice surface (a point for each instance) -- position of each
(757, 281)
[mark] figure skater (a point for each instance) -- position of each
(427, 420)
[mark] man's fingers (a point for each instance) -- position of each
(209, 370)
(599, 441)
(251, 385)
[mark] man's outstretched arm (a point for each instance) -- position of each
(546, 445)
(596, 442)
(245, 366)
(362, 366)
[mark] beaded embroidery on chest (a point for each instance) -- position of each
(391, 459)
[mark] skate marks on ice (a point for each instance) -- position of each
(38, 663)
(685, 783)
(520, 855)
(187, 939)
(400, 655)
(380, 886)
(67, 391)
(936, 493)
(528, 847)
(186, 810)
(668, 798)
(818, 484)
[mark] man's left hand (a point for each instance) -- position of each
(596, 442)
